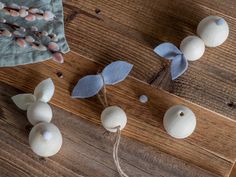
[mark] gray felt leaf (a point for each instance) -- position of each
(167, 50)
(178, 66)
(22, 101)
(44, 90)
(116, 72)
(88, 86)
(12, 54)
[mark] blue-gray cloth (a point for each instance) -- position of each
(179, 64)
(11, 54)
(112, 74)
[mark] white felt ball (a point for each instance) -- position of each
(45, 139)
(112, 117)
(179, 121)
(192, 47)
(39, 112)
(213, 30)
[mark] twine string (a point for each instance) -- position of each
(115, 153)
(103, 98)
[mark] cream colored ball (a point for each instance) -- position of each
(45, 139)
(213, 30)
(112, 117)
(179, 122)
(39, 112)
(192, 47)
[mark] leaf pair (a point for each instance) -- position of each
(43, 92)
(179, 63)
(112, 74)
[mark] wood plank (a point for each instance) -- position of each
(86, 149)
(213, 140)
(130, 29)
(233, 172)
(226, 7)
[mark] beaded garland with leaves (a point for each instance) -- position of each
(32, 37)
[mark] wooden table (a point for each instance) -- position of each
(103, 31)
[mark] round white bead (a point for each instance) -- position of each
(192, 47)
(179, 122)
(213, 30)
(143, 99)
(39, 112)
(112, 117)
(45, 139)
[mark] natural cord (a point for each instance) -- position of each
(105, 104)
(115, 154)
(103, 101)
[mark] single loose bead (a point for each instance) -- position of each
(39, 112)
(143, 99)
(213, 30)
(192, 47)
(113, 117)
(45, 139)
(179, 121)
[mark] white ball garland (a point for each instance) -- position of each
(192, 47)
(213, 30)
(45, 139)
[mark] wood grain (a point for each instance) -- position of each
(130, 29)
(209, 143)
(233, 172)
(103, 31)
(86, 150)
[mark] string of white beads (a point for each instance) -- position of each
(212, 32)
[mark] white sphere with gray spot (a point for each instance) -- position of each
(213, 30)
(192, 47)
(45, 139)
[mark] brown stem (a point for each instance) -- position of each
(104, 92)
(101, 100)
(12, 25)
(10, 8)
(105, 95)
(37, 33)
